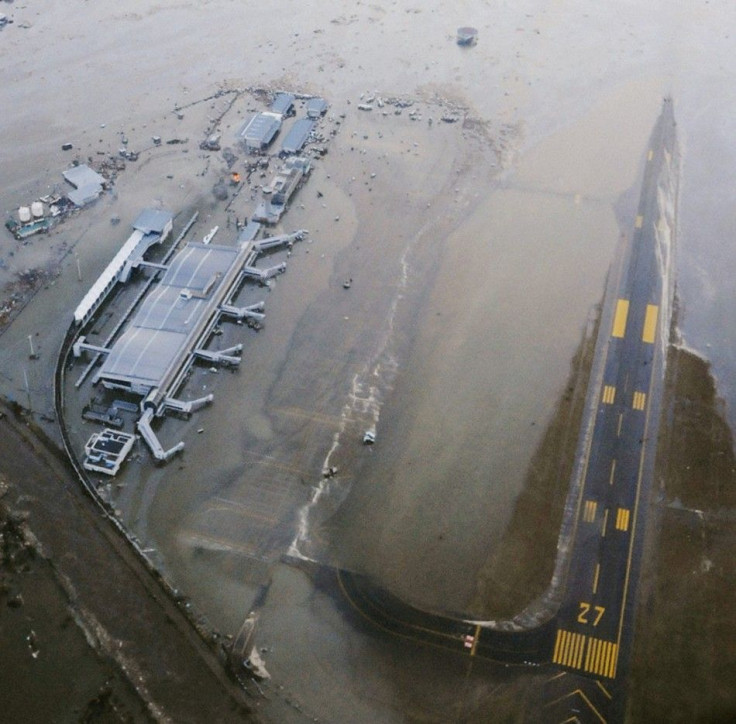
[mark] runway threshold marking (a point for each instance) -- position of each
(622, 519)
(650, 324)
(619, 318)
(640, 400)
(589, 511)
(587, 653)
(601, 658)
(609, 394)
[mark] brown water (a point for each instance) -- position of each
(476, 256)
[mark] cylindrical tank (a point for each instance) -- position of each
(24, 214)
(37, 209)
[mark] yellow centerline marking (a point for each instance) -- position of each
(650, 155)
(619, 319)
(650, 323)
(595, 577)
(475, 640)
(605, 523)
(620, 420)
(639, 221)
(613, 472)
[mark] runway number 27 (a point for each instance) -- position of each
(586, 615)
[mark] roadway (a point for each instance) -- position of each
(589, 639)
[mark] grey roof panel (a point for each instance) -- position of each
(85, 194)
(196, 265)
(83, 175)
(261, 129)
(298, 135)
(152, 221)
(316, 107)
(282, 103)
(143, 355)
(158, 333)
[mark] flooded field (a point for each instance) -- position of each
(477, 251)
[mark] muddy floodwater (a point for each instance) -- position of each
(475, 214)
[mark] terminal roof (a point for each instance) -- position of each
(158, 335)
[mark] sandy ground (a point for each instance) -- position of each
(477, 252)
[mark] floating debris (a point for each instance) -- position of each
(467, 36)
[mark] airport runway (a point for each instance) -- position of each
(594, 627)
(589, 639)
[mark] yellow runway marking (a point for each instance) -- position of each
(578, 651)
(609, 394)
(595, 577)
(601, 657)
(604, 690)
(613, 472)
(475, 640)
(574, 719)
(650, 323)
(605, 523)
(620, 420)
(569, 649)
(640, 399)
(622, 519)
(619, 319)
(589, 511)
(639, 222)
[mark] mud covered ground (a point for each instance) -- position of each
(685, 646)
(86, 632)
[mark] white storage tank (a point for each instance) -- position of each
(24, 214)
(37, 209)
